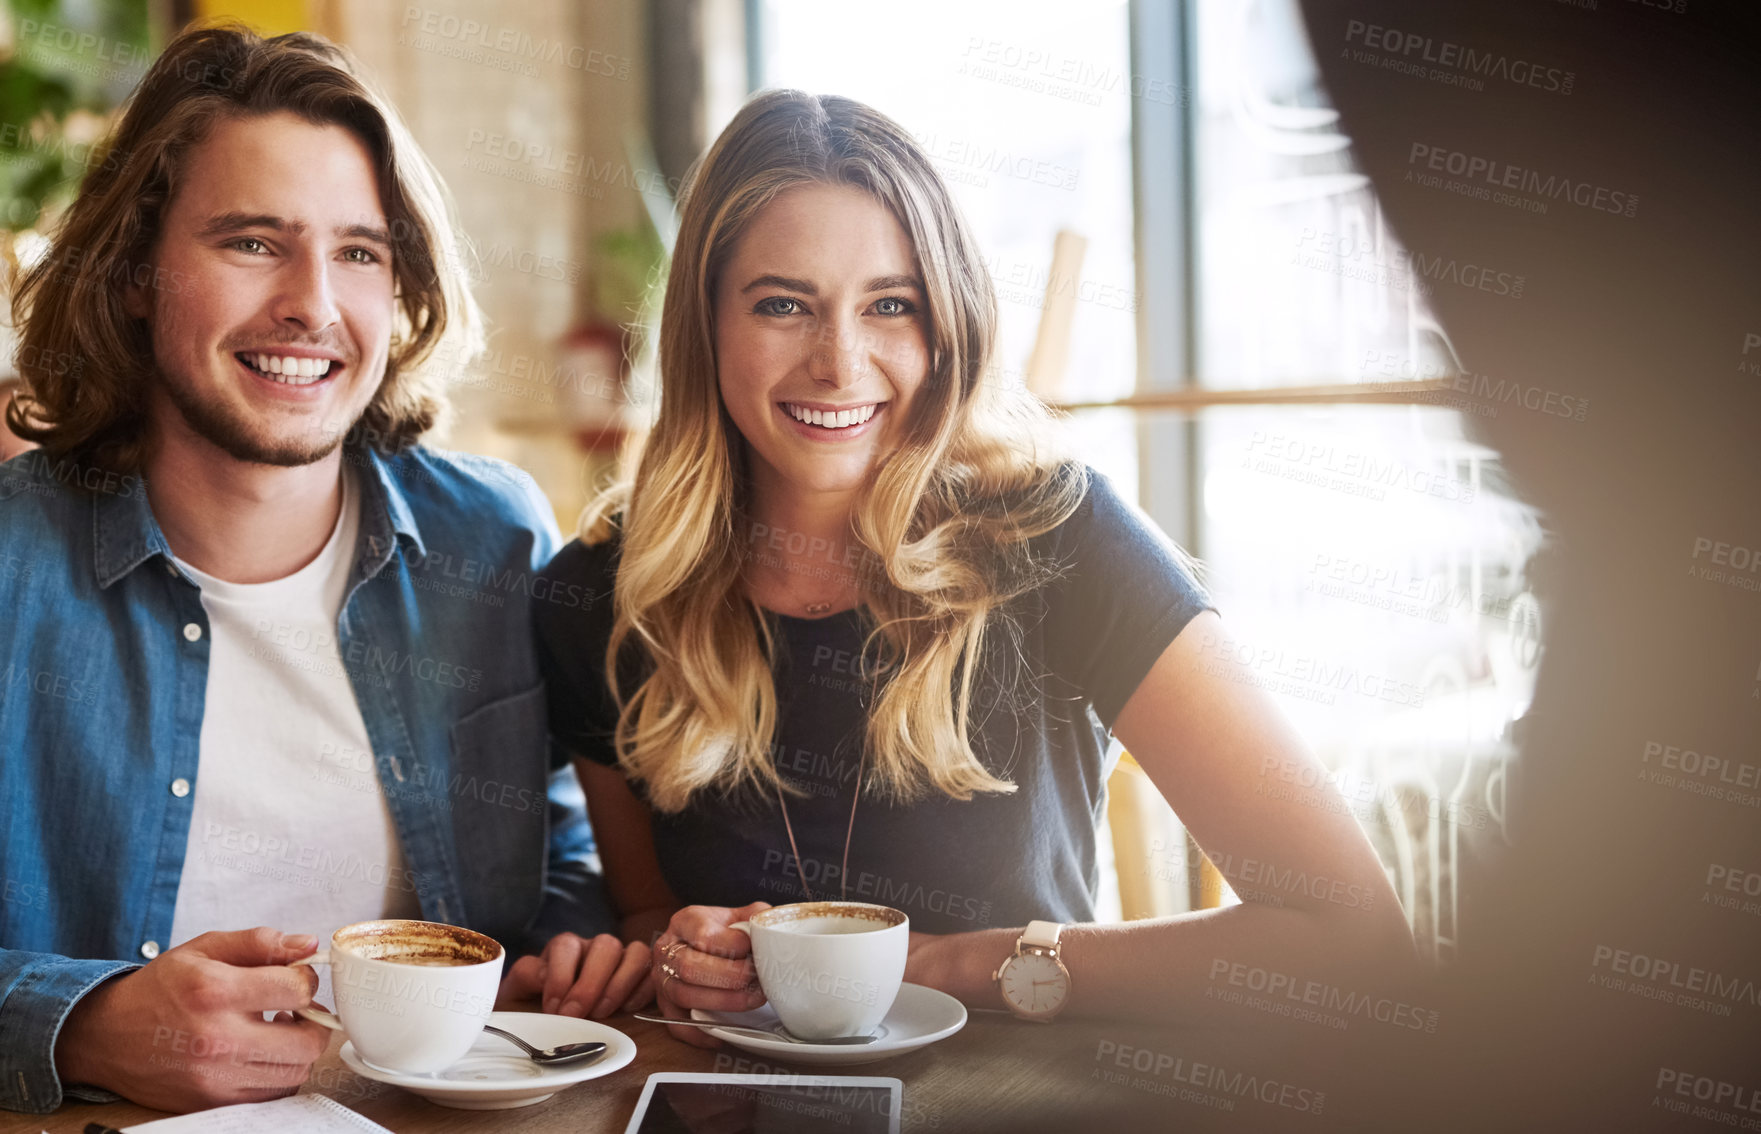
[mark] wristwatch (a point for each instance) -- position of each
(1034, 982)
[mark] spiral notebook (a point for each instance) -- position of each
(297, 1114)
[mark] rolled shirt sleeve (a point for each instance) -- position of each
(37, 991)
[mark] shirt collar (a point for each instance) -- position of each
(124, 532)
(385, 510)
(126, 535)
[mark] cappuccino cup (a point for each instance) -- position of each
(829, 969)
(412, 996)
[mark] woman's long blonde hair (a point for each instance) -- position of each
(946, 518)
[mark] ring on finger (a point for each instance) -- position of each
(671, 953)
(670, 971)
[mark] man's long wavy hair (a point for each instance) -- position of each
(88, 364)
(946, 518)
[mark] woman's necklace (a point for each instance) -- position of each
(844, 869)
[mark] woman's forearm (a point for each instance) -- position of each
(646, 925)
(1188, 967)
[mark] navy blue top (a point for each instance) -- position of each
(1044, 712)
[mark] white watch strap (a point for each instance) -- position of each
(1042, 933)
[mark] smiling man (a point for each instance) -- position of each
(247, 697)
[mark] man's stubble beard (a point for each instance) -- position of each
(214, 424)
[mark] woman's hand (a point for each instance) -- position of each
(701, 963)
(578, 977)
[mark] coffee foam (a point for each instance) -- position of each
(427, 944)
(829, 918)
(413, 957)
(830, 926)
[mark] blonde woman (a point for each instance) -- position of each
(856, 627)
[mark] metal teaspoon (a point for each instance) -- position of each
(552, 1056)
(767, 1033)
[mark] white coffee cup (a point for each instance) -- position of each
(829, 969)
(413, 996)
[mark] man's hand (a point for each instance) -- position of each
(187, 1031)
(578, 977)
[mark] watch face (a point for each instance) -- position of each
(1035, 984)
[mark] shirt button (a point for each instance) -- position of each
(180, 787)
(192, 633)
(150, 950)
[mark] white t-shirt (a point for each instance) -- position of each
(290, 827)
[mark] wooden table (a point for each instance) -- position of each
(998, 1073)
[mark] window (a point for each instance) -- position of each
(1369, 564)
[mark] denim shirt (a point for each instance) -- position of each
(104, 647)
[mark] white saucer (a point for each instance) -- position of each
(496, 1075)
(919, 1017)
